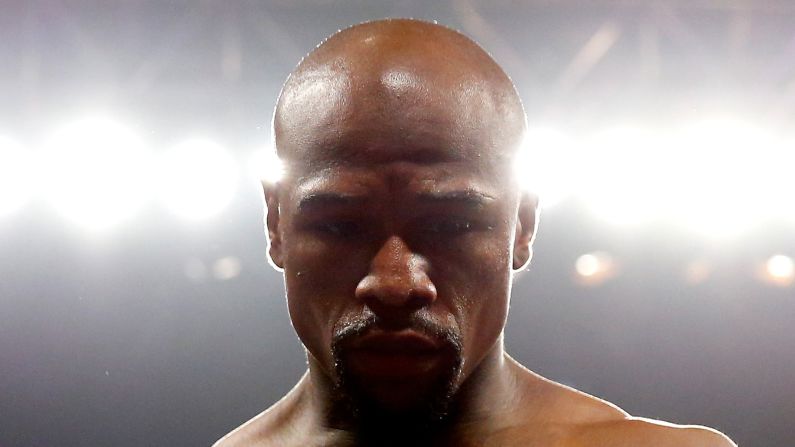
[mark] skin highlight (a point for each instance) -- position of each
(398, 227)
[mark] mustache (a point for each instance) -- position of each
(350, 392)
(359, 325)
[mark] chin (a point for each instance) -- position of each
(405, 404)
(409, 398)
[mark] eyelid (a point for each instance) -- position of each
(454, 225)
(341, 228)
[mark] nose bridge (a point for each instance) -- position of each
(398, 277)
(393, 259)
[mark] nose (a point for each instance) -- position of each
(397, 283)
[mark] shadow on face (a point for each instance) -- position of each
(397, 222)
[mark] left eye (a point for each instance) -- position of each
(449, 226)
(339, 229)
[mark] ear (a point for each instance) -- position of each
(526, 224)
(272, 223)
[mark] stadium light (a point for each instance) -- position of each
(544, 165)
(97, 172)
(17, 177)
(197, 179)
(264, 165)
(623, 183)
(725, 180)
(587, 265)
(778, 270)
(595, 268)
(781, 267)
(226, 268)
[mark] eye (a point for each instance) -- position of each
(449, 226)
(340, 229)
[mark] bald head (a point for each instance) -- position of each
(398, 212)
(396, 88)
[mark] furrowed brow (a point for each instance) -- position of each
(327, 199)
(469, 198)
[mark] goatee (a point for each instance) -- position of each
(429, 409)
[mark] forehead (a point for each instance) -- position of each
(336, 113)
(428, 180)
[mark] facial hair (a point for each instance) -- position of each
(431, 410)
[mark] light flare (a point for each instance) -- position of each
(197, 179)
(97, 172)
(544, 165)
(17, 176)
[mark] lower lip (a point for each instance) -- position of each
(394, 365)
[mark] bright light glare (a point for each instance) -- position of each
(198, 178)
(97, 172)
(587, 265)
(781, 182)
(780, 267)
(227, 268)
(16, 176)
(544, 165)
(726, 178)
(266, 166)
(623, 184)
(595, 268)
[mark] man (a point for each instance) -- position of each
(398, 227)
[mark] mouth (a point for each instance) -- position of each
(396, 356)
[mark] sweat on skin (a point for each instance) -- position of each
(398, 227)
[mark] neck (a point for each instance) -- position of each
(488, 389)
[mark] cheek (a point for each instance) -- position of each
(492, 301)
(320, 291)
(480, 284)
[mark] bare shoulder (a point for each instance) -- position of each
(573, 407)
(253, 432)
(640, 431)
(594, 422)
(283, 424)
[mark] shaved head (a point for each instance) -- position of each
(399, 225)
(408, 78)
(398, 214)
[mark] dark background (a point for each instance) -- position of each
(104, 341)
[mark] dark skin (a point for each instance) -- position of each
(398, 227)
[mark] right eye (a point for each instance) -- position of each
(340, 229)
(449, 227)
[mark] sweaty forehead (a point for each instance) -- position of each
(397, 90)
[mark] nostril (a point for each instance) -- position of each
(397, 291)
(397, 281)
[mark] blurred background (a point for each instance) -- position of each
(137, 307)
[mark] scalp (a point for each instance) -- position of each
(389, 72)
(393, 41)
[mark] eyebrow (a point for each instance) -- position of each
(323, 199)
(467, 197)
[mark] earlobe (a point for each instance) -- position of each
(272, 223)
(526, 223)
(522, 258)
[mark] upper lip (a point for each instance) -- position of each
(405, 341)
